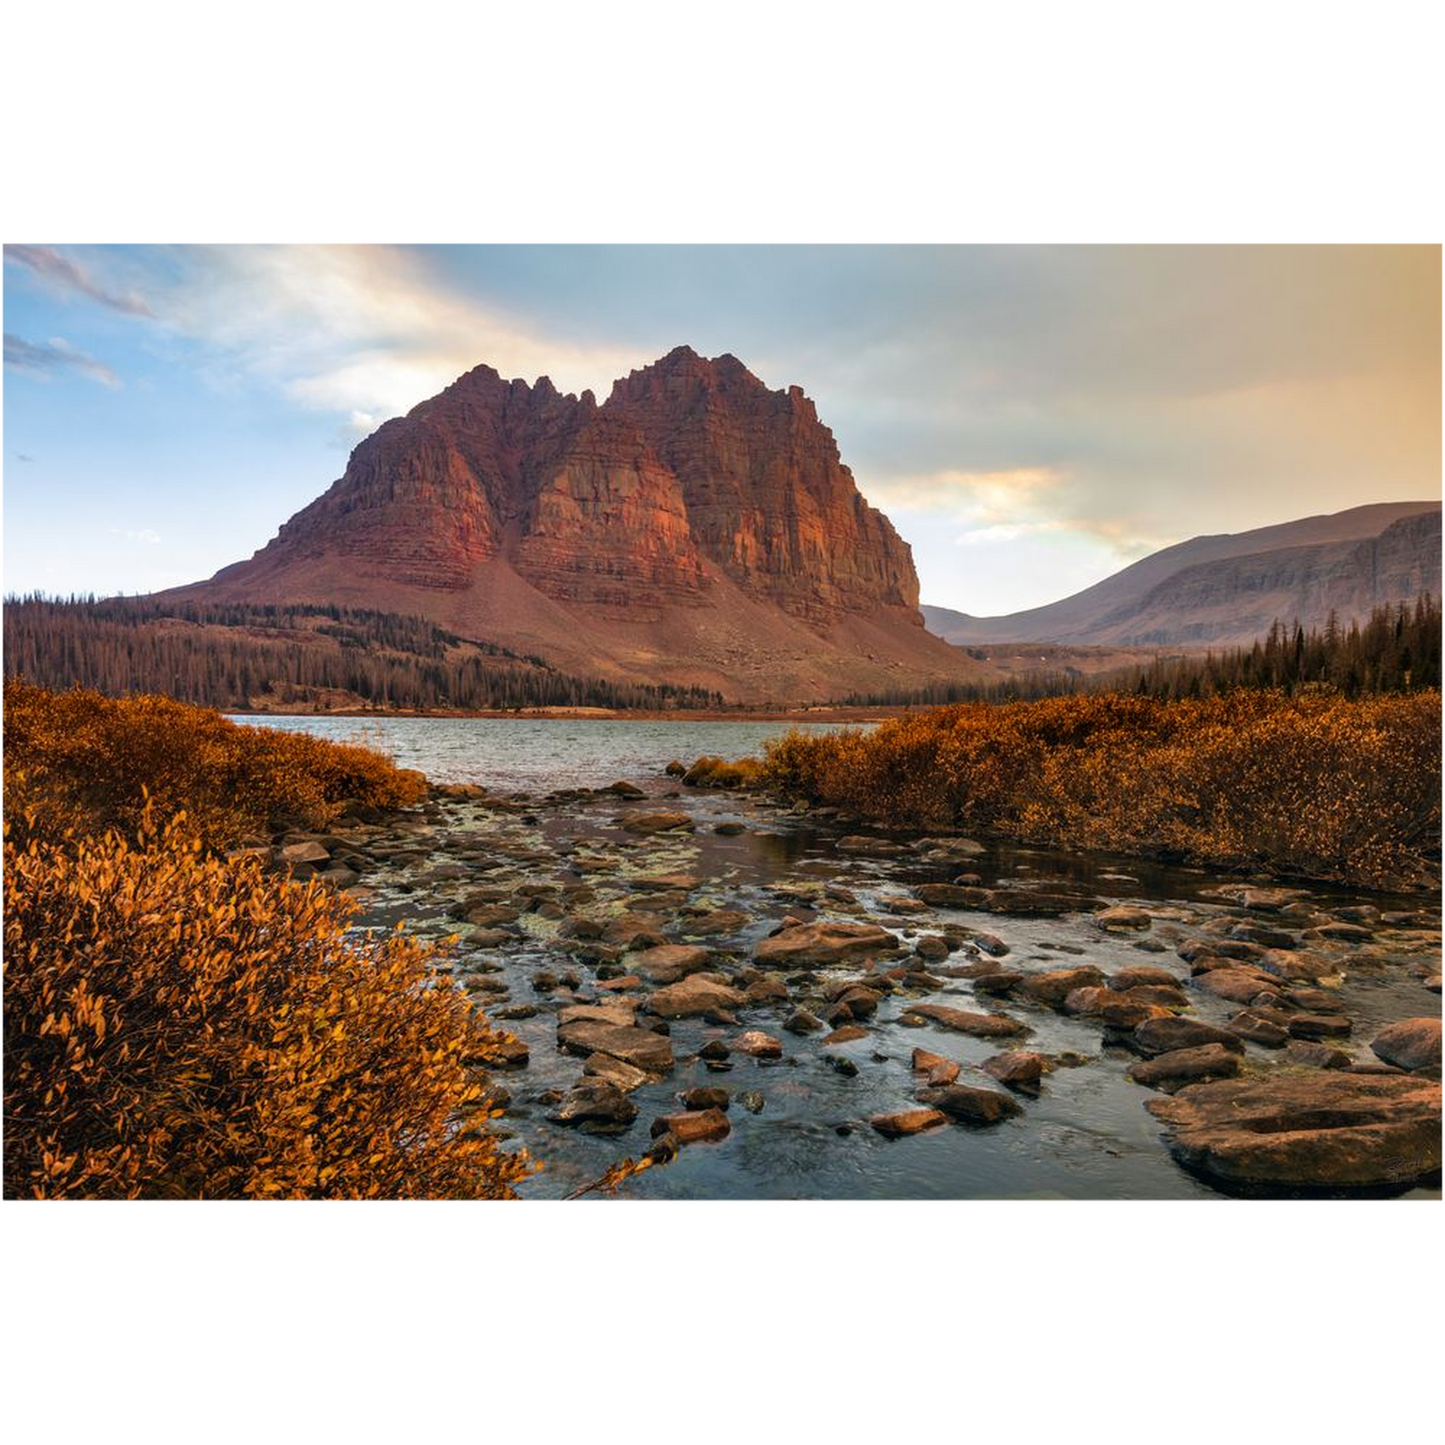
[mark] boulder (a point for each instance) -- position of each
(706, 1096)
(1315, 1056)
(1053, 987)
(1017, 1069)
(969, 1105)
(801, 1021)
(1116, 1010)
(1409, 1044)
(694, 1126)
(907, 1121)
(1324, 1128)
(701, 993)
(821, 944)
(595, 1100)
(1186, 1066)
(758, 1044)
(1237, 985)
(1163, 1035)
(1121, 920)
(1141, 977)
(669, 962)
(641, 1048)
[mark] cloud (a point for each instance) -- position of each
(23, 457)
(367, 332)
(996, 496)
(64, 274)
(144, 535)
(57, 355)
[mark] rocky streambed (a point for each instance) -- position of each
(777, 1003)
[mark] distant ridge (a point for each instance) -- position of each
(1226, 590)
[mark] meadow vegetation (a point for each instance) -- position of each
(181, 1025)
(1310, 785)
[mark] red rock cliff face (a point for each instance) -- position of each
(767, 495)
(690, 464)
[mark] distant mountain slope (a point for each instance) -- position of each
(1226, 590)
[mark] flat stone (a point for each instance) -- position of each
(1321, 1128)
(603, 1066)
(980, 1025)
(641, 1048)
(615, 1011)
(657, 823)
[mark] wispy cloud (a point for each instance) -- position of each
(63, 274)
(366, 332)
(46, 359)
(981, 496)
(144, 535)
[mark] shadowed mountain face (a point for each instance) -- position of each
(1228, 590)
(696, 528)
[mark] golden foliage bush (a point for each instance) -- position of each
(1314, 785)
(714, 772)
(180, 1027)
(89, 761)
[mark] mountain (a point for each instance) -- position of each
(1226, 590)
(696, 529)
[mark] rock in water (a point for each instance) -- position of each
(641, 1048)
(986, 1026)
(699, 994)
(695, 1126)
(658, 823)
(824, 943)
(968, 1104)
(1320, 1129)
(1186, 1066)
(908, 1121)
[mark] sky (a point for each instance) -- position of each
(1031, 418)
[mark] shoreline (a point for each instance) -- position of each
(600, 714)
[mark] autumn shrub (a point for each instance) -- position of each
(89, 761)
(713, 772)
(181, 1027)
(1314, 784)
